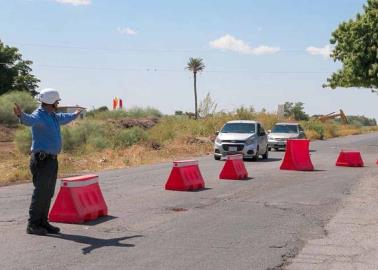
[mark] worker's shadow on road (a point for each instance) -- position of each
(270, 160)
(95, 243)
(100, 220)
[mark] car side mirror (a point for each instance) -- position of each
(217, 132)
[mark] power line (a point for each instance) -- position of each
(117, 50)
(155, 69)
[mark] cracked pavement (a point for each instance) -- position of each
(261, 223)
(352, 235)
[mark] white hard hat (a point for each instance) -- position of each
(49, 96)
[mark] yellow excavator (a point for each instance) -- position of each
(334, 115)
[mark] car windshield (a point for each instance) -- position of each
(238, 128)
(285, 129)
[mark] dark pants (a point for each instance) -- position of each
(44, 170)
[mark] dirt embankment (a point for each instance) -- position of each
(145, 123)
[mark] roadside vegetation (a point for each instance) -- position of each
(107, 139)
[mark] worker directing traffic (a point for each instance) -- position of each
(45, 125)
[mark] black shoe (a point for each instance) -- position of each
(50, 228)
(35, 229)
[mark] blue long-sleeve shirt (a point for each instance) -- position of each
(45, 126)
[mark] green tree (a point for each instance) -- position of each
(195, 65)
(295, 111)
(15, 73)
(356, 46)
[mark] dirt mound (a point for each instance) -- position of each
(145, 123)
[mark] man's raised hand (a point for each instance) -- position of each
(78, 111)
(17, 110)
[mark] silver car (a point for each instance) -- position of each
(241, 137)
(281, 132)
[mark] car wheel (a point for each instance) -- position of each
(217, 157)
(256, 157)
(266, 154)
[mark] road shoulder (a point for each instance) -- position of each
(351, 241)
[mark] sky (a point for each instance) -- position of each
(258, 53)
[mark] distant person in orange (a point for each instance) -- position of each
(45, 124)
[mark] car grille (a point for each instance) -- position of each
(281, 139)
(239, 147)
(233, 141)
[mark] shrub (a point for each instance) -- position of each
(316, 127)
(136, 112)
(360, 120)
(97, 142)
(268, 120)
(164, 131)
(92, 113)
(24, 99)
(115, 114)
(68, 140)
(129, 137)
(87, 134)
(331, 130)
(23, 140)
(244, 113)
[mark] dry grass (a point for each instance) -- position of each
(15, 168)
(312, 135)
(332, 131)
(191, 140)
(133, 156)
(6, 134)
(354, 130)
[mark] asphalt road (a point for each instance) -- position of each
(253, 224)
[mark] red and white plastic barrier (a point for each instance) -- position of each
(185, 175)
(79, 199)
(234, 168)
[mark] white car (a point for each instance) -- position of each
(241, 137)
(281, 132)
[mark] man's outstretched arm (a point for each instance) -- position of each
(26, 119)
(65, 118)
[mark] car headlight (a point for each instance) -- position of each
(217, 140)
(250, 141)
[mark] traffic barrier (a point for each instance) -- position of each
(350, 159)
(234, 168)
(185, 175)
(79, 199)
(297, 156)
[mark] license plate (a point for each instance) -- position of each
(232, 148)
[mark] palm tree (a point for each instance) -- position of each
(195, 65)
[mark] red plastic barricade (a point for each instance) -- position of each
(234, 168)
(349, 159)
(185, 175)
(297, 156)
(79, 199)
